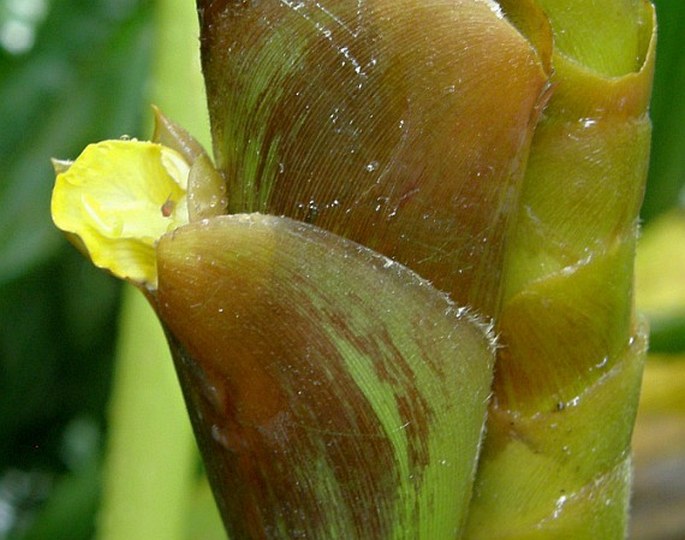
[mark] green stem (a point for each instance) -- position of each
(150, 456)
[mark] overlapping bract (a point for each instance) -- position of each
(321, 380)
(556, 461)
(402, 125)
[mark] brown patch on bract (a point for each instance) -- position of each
(403, 125)
(392, 368)
(286, 400)
(274, 395)
(265, 314)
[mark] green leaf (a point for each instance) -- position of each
(334, 393)
(68, 514)
(666, 185)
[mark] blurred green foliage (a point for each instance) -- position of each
(667, 164)
(71, 72)
(78, 71)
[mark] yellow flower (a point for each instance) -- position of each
(117, 199)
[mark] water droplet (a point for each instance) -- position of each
(380, 203)
(312, 212)
(371, 166)
(602, 363)
(559, 506)
(495, 8)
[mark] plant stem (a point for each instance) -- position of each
(150, 456)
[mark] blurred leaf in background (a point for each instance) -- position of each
(667, 164)
(661, 276)
(71, 71)
(659, 438)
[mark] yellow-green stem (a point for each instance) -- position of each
(150, 456)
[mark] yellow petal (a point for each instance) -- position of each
(118, 198)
